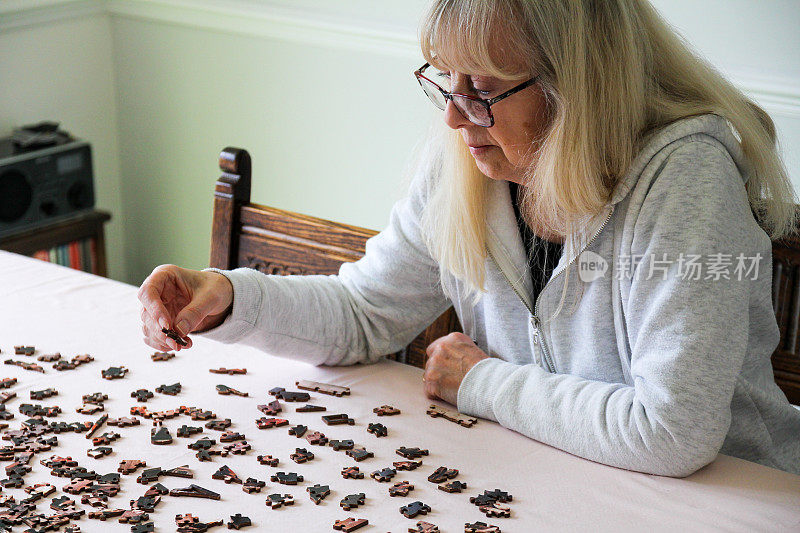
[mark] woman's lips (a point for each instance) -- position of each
(479, 150)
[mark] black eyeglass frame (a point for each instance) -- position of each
(487, 103)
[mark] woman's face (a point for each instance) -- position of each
(503, 151)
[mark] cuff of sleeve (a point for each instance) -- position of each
(247, 299)
(479, 387)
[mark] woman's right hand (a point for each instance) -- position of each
(183, 300)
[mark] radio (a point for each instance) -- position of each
(45, 175)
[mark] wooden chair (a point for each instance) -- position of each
(274, 241)
(281, 242)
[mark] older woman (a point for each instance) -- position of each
(599, 211)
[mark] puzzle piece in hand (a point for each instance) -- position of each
(401, 488)
(275, 501)
(174, 335)
(351, 501)
(324, 388)
(350, 524)
(415, 508)
(453, 416)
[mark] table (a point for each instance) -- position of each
(58, 309)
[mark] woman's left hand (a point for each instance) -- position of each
(449, 359)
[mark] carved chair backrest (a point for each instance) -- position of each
(281, 242)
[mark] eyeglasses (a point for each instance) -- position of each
(476, 110)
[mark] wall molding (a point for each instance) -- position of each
(777, 93)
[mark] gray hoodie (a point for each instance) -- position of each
(660, 358)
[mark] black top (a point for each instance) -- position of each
(542, 255)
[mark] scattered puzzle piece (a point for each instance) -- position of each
(410, 453)
(386, 410)
(352, 501)
(252, 485)
(324, 388)
(188, 431)
(142, 395)
(129, 466)
(286, 479)
(453, 416)
(289, 396)
(453, 486)
(238, 521)
(275, 501)
(225, 390)
(341, 444)
(162, 356)
(480, 527)
(114, 372)
(160, 435)
(301, 455)
(401, 488)
(424, 527)
(415, 508)
(359, 454)
(334, 420)
(442, 474)
(269, 423)
(318, 492)
(267, 460)
(383, 475)
(377, 429)
(350, 524)
(308, 408)
(195, 491)
(43, 394)
(352, 472)
(172, 390)
(407, 465)
(229, 371)
(226, 474)
(271, 409)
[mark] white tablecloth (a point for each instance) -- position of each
(57, 309)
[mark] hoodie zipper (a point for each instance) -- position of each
(535, 321)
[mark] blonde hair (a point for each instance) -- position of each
(613, 73)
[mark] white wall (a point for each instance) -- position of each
(320, 92)
(62, 68)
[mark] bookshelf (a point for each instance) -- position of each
(77, 242)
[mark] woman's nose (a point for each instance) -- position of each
(453, 117)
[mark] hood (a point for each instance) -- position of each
(505, 245)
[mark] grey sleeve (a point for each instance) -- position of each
(688, 338)
(373, 307)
